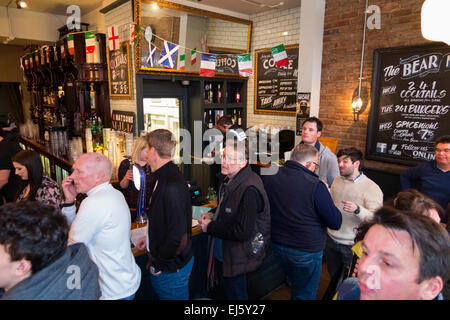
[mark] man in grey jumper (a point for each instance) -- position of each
(328, 168)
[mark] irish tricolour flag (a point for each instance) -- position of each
(280, 56)
(181, 65)
(245, 64)
(70, 45)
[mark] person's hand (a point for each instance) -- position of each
(69, 189)
(129, 175)
(142, 243)
(203, 222)
(206, 215)
(349, 206)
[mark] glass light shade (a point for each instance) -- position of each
(357, 104)
(435, 21)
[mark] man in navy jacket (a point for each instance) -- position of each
(432, 176)
(301, 210)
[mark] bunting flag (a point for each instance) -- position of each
(207, 65)
(168, 54)
(113, 38)
(70, 46)
(245, 64)
(89, 37)
(151, 54)
(193, 56)
(134, 33)
(181, 64)
(280, 56)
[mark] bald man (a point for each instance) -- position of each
(102, 223)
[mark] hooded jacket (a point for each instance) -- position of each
(72, 276)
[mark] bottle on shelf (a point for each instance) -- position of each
(219, 94)
(239, 118)
(235, 117)
(210, 94)
(206, 93)
(238, 96)
(210, 119)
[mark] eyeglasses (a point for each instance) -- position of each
(315, 163)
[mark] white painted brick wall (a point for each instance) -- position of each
(267, 33)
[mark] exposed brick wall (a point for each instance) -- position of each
(343, 31)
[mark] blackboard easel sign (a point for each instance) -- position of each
(119, 72)
(276, 89)
(410, 103)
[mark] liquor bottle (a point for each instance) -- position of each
(219, 94)
(92, 98)
(210, 120)
(210, 94)
(238, 96)
(206, 93)
(239, 118)
(234, 116)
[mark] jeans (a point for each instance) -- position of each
(229, 288)
(336, 254)
(303, 270)
(173, 286)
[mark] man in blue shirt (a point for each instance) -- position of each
(433, 176)
(301, 210)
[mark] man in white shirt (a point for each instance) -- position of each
(357, 197)
(103, 223)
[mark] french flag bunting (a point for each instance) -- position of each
(168, 54)
(208, 65)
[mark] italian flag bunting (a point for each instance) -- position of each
(193, 56)
(245, 64)
(182, 65)
(70, 45)
(280, 56)
(89, 37)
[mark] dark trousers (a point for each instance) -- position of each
(229, 288)
(337, 254)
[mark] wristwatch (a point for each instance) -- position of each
(357, 210)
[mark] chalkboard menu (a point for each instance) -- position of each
(119, 72)
(227, 63)
(123, 121)
(410, 103)
(276, 88)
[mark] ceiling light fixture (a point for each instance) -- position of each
(21, 4)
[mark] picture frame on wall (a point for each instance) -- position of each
(119, 72)
(410, 103)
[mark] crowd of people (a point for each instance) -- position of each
(317, 207)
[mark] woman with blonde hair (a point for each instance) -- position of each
(131, 194)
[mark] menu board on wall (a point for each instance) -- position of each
(276, 88)
(410, 103)
(119, 71)
(123, 121)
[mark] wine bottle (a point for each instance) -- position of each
(210, 120)
(238, 96)
(219, 94)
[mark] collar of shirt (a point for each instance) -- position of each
(96, 188)
(355, 179)
(317, 145)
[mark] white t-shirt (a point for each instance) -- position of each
(103, 223)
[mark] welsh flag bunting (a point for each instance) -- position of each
(208, 65)
(168, 54)
(280, 56)
(245, 64)
(89, 36)
(70, 45)
(134, 33)
(181, 64)
(193, 56)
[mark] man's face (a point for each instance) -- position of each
(310, 133)
(84, 178)
(442, 153)
(346, 166)
(230, 162)
(389, 267)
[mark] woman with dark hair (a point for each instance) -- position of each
(35, 186)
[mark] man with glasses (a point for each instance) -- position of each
(432, 178)
(301, 210)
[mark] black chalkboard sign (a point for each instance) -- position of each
(276, 89)
(119, 72)
(410, 103)
(227, 63)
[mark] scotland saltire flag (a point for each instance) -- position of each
(151, 54)
(168, 54)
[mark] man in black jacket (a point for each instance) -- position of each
(170, 222)
(301, 210)
(239, 226)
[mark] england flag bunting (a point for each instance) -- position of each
(168, 54)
